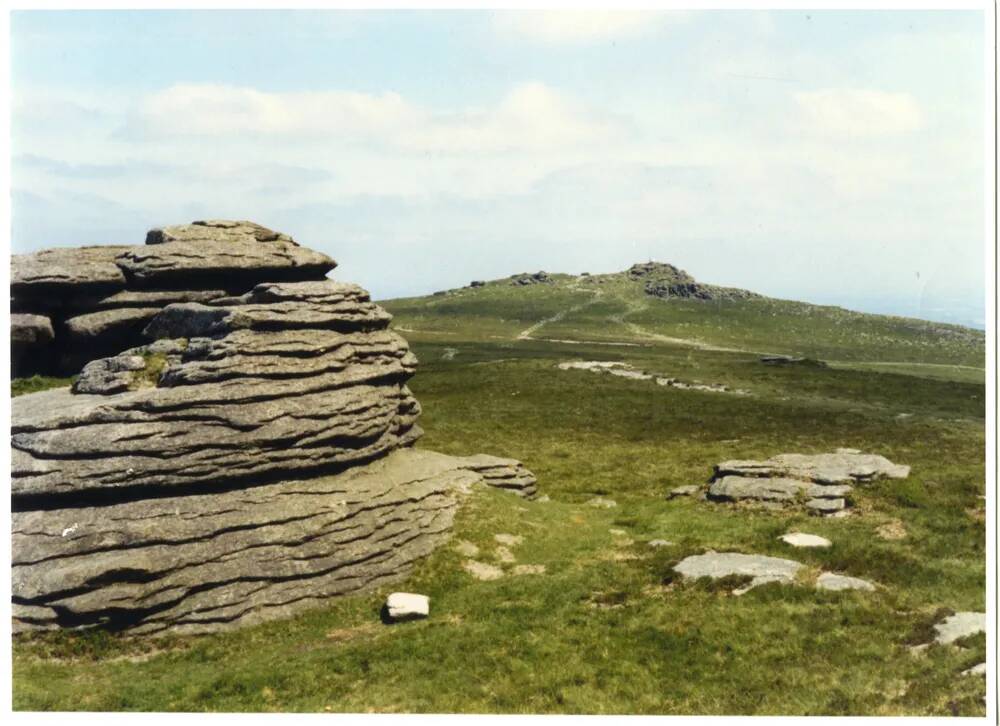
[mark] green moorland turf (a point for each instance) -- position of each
(608, 628)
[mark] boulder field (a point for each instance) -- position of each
(241, 450)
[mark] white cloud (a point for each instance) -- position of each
(580, 26)
(531, 116)
(859, 112)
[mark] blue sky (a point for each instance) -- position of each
(834, 157)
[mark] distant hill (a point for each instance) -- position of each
(655, 302)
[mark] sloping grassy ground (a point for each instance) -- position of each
(608, 628)
(612, 308)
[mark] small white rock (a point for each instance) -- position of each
(464, 547)
(960, 625)
(407, 606)
(482, 571)
(529, 570)
(976, 670)
(659, 543)
(831, 581)
(602, 503)
(801, 539)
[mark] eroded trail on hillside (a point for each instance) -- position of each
(639, 331)
(527, 333)
(636, 331)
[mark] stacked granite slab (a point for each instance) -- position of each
(820, 482)
(70, 305)
(251, 459)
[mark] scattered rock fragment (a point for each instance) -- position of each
(958, 626)
(625, 370)
(894, 530)
(688, 490)
(801, 539)
(659, 543)
(504, 555)
(466, 548)
(976, 670)
(407, 606)
(529, 570)
(482, 571)
(760, 568)
(831, 581)
(602, 503)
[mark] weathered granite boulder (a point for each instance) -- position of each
(250, 459)
(192, 564)
(820, 482)
(98, 299)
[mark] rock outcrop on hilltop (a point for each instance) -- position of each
(97, 300)
(531, 278)
(666, 281)
(251, 458)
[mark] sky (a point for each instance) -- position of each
(835, 157)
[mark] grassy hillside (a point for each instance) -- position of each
(612, 308)
(608, 628)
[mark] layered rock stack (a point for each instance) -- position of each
(252, 458)
(71, 305)
(822, 483)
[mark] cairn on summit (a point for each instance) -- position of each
(236, 447)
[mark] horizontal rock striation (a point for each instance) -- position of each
(821, 482)
(99, 299)
(192, 564)
(249, 459)
(252, 388)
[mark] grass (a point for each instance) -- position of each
(609, 628)
(20, 386)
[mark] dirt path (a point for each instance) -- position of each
(638, 330)
(527, 333)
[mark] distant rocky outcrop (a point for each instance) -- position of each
(666, 281)
(532, 278)
(249, 459)
(821, 482)
(97, 300)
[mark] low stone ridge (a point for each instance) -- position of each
(99, 299)
(666, 281)
(820, 482)
(250, 459)
(787, 360)
(760, 570)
